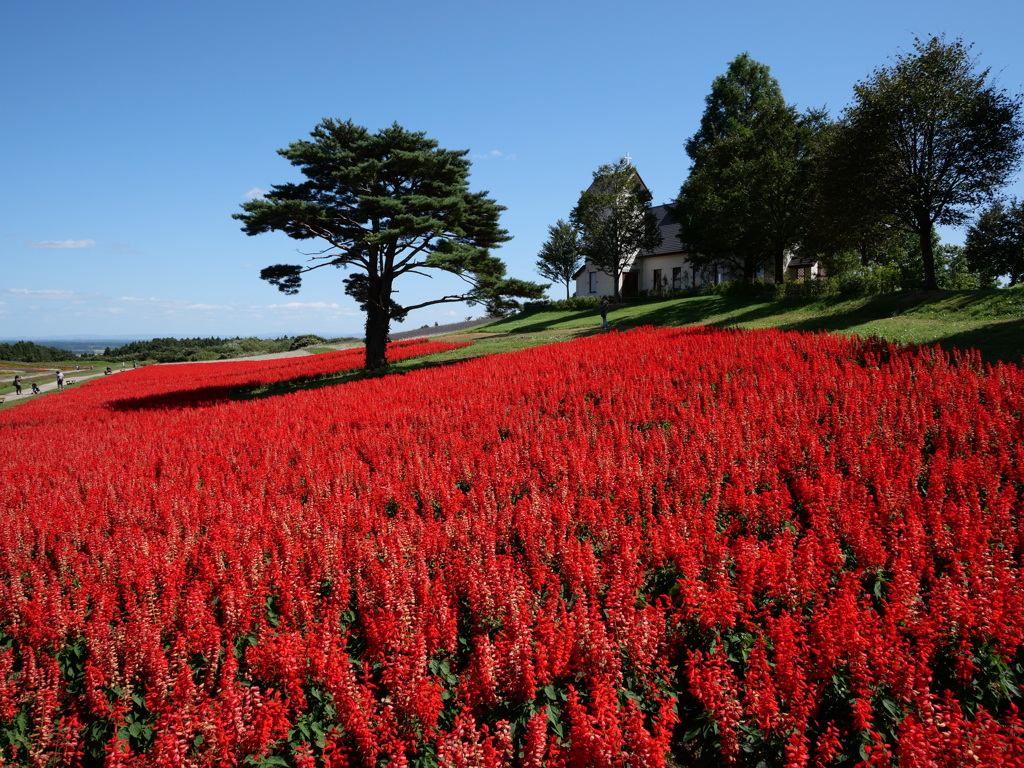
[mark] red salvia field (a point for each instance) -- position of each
(654, 548)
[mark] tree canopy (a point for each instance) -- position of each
(994, 246)
(927, 140)
(30, 352)
(384, 205)
(560, 256)
(743, 202)
(615, 220)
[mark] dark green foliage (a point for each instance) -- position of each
(30, 352)
(307, 340)
(382, 206)
(743, 203)
(995, 242)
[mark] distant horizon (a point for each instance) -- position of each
(92, 337)
(121, 339)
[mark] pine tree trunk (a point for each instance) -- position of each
(378, 325)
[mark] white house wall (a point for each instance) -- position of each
(666, 263)
(600, 285)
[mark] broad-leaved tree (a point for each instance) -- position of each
(931, 139)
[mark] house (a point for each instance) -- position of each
(804, 268)
(667, 269)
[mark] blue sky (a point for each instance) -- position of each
(132, 131)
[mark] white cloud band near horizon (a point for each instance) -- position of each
(62, 244)
(46, 293)
(33, 312)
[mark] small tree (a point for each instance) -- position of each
(615, 220)
(994, 246)
(560, 257)
(934, 139)
(384, 205)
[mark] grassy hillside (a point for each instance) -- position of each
(990, 321)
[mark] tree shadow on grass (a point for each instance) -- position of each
(875, 309)
(543, 325)
(997, 342)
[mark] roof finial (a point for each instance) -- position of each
(628, 159)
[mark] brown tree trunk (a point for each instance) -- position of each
(924, 232)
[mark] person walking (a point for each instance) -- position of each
(17, 384)
(60, 381)
(604, 312)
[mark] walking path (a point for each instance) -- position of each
(70, 377)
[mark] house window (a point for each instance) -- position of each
(593, 282)
(657, 281)
(677, 278)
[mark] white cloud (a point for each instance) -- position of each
(312, 308)
(207, 307)
(305, 305)
(62, 244)
(53, 311)
(255, 193)
(494, 154)
(28, 293)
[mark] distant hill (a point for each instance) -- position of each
(440, 330)
(30, 352)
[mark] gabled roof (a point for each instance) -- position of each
(670, 242)
(802, 261)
